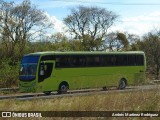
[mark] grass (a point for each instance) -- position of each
(128, 101)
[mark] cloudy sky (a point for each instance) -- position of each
(135, 16)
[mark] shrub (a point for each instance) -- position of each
(9, 73)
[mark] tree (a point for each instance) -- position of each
(134, 42)
(60, 42)
(122, 37)
(151, 46)
(90, 25)
(116, 41)
(17, 22)
(58, 37)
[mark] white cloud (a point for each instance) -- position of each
(139, 24)
(142, 19)
(155, 14)
(152, 17)
(59, 26)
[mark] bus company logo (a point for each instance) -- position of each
(6, 114)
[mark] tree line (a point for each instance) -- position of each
(23, 29)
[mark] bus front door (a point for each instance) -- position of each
(46, 76)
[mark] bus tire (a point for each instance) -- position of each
(122, 84)
(47, 92)
(63, 87)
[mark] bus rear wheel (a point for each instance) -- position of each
(122, 84)
(63, 87)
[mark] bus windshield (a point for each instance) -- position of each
(28, 67)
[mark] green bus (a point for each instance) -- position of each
(60, 71)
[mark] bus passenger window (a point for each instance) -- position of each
(140, 60)
(131, 60)
(48, 69)
(45, 71)
(108, 60)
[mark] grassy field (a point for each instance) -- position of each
(128, 101)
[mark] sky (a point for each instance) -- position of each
(135, 16)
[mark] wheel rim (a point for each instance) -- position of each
(63, 88)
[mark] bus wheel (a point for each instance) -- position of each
(47, 92)
(63, 87)
(122, 84)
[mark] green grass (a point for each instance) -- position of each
(128, 101)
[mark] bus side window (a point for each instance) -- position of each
(139, 60)
(45, 71)
(131, 60)
(62, 61)
(77, 61)
(48, 69)
(93, 61)
(121, 60)
(108, 60)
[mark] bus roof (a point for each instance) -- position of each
(83, 53)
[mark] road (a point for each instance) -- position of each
(31, 96)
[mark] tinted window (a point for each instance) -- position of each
(98, 60)
(93, 61)
(121, 60)
(70, 61)
(47, 57)
(140, 60)
(131, 60)
(62, 61)
(30, 59)
(77, 61)
(47, 68)
(108, 60)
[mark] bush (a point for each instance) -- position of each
(9, 73)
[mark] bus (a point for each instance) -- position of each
(61, 71)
